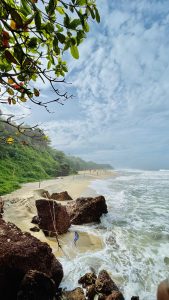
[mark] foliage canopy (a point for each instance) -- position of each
(34, 34)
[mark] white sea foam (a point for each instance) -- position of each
(135, 233)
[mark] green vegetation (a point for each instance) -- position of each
(32, 159)
(34, 35)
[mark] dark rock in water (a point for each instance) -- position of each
(35, 220)
(35, 229)
(87, 279)
(87, 210)
(135, 298)
(90, 292)
(63, 196)
(115, 295)
(104, 283)
(19, 253)
(53, 217)
(76, 294)
(36, 285)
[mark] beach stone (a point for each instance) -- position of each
(54, 218)
(35, 220)
(46, 194)
(87, 279)
(87, 210)
(76, 294)
(35, 229)
(63, 196)
(36, 285)
(115, 295)
(90, 292)
(104, 283)
(19, 253)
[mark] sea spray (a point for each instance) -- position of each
(135, 234)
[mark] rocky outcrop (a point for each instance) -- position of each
(36, 285)
(87, 210)
(19, 253)
(87, 279)
(76, 294)
(63, 196)
(102, 286)
(53, 217)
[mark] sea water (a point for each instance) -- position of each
(135, 233)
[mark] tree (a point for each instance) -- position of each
(34, 35)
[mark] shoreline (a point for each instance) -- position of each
(20, 208)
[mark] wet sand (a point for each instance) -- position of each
(20, 208)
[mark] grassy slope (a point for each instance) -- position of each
(24, 164)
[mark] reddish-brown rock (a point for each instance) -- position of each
(36, 285)
(87, 210)
(104, 283)
(87, 279)
(63, 196)
(53, 217)
(76, 294)
(115, 295)
(46, 194)
(19, 253)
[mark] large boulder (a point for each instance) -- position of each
(104, 283)
(53, 217)
(36, 285)
(19, 253)
(87, 210)
(63, 196)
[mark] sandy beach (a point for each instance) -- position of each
(20, 208)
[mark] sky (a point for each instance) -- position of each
(120, 112)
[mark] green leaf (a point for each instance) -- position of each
(97, 14)
(60, 10)
(75, 23)
(91, 12)
(86, 27)
(61, 37)
(74, 51)
(26, 8)
(38, 20)
(66, 21)
(81, 2)
(17, 18)
(51, 6)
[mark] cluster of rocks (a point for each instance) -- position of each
(28, 268)
(100, 288)
(54, 217)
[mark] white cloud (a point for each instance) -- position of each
(121, 83)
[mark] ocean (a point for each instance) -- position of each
(135, 233)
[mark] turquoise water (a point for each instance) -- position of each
(135, 233)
